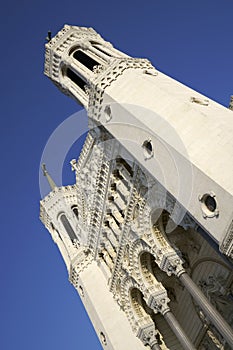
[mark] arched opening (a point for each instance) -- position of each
(85, 59)
(153, 274)
(168, 233)
(76, 79)
(74, 209)
(67, 226)
(146, 259)
(160, 219)
(138, 303)
(159, 223)
(145, 316)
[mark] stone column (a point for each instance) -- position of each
(178, 331)
(158, 302)
(172, 265)
(213, 315)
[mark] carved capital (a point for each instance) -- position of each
(158, 301)
(171, 263)
(148, 335)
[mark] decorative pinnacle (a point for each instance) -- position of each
(50, 180)
(231, 103)
(49, 36)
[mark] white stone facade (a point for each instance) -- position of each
(149, 188)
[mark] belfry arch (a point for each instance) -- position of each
(147, 331)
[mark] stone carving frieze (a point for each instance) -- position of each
(126, 228)
(99, 196)
(88, 175)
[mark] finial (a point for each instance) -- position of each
(50, 180)
(231, 103)
(49, 36)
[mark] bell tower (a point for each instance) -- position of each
(77, 56)
(146, 230)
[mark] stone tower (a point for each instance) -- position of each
(146, 231)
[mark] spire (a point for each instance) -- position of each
(50, 180)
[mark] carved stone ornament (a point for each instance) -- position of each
(149, 335)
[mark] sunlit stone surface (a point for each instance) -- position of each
(146, 230)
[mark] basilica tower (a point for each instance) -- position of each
(146, 230)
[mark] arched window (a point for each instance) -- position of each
(67, 226)
(74, 208)
(86, 60)
(146, 261)
(76, 79)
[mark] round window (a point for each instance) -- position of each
(108, 113)
(148, 149)
(209, 205)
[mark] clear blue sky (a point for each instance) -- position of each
(188, 40)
